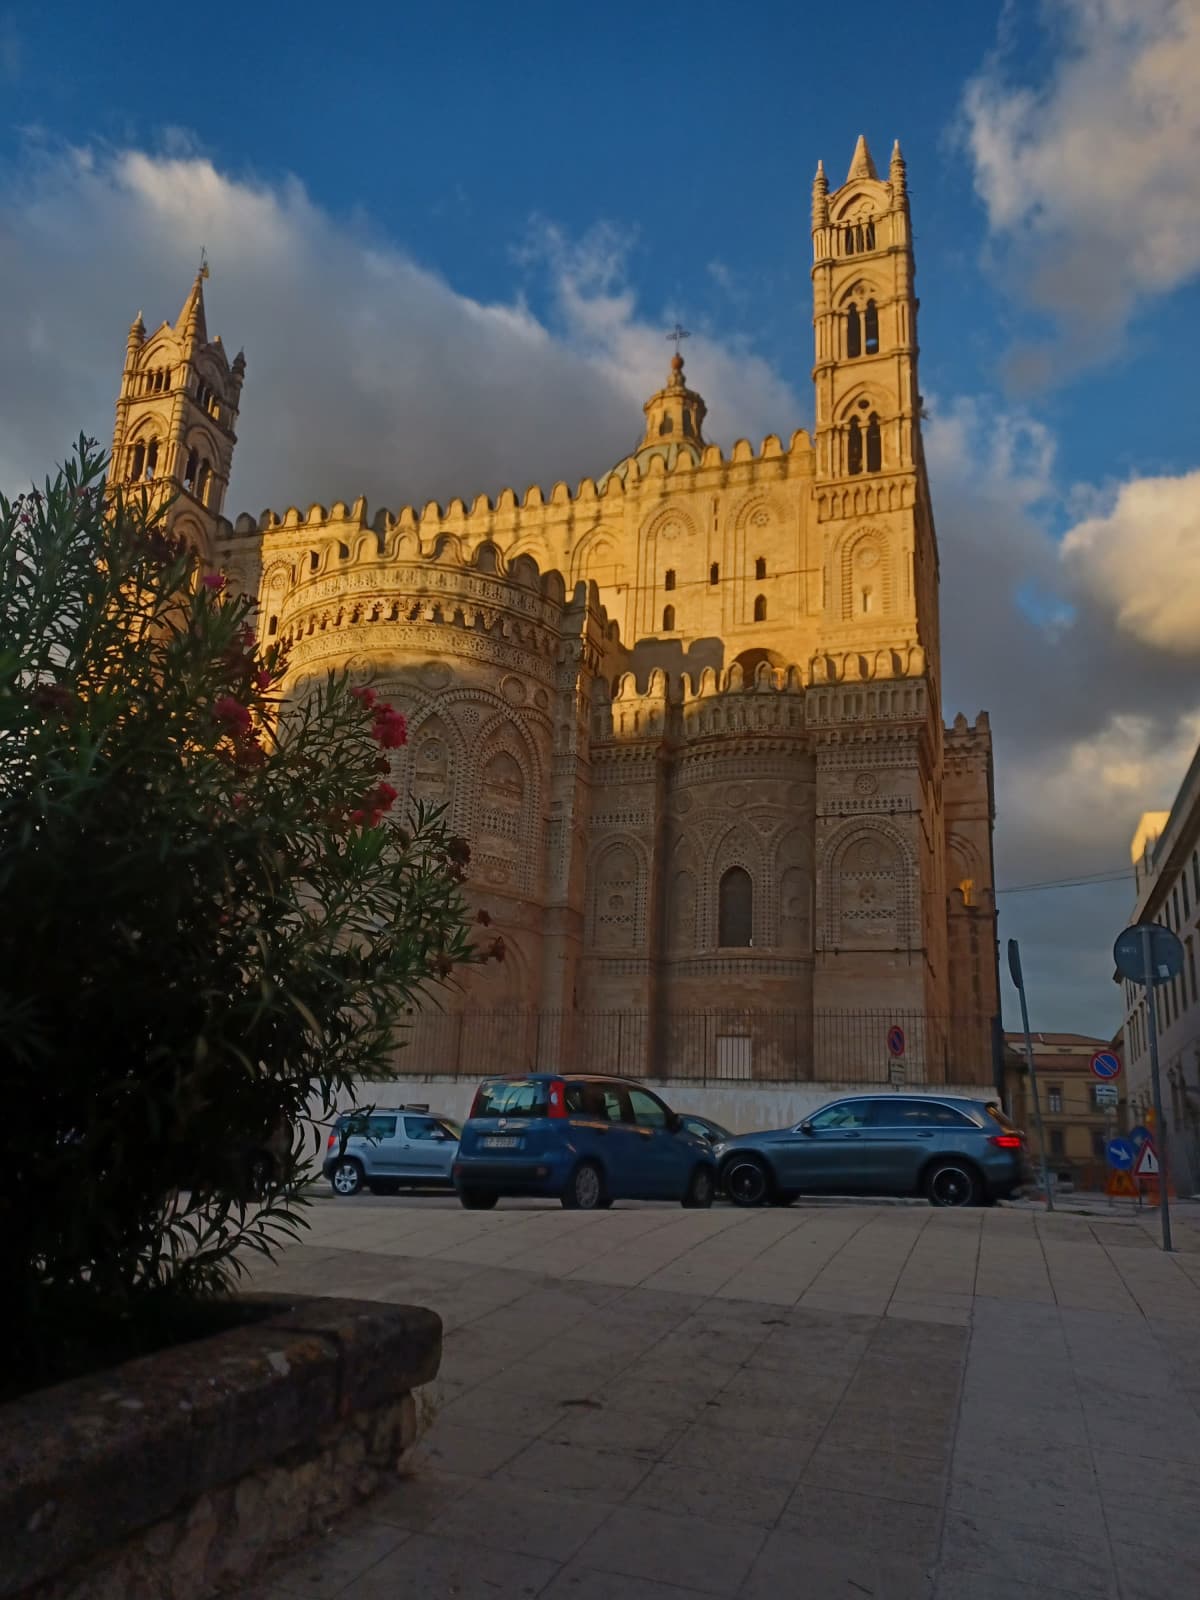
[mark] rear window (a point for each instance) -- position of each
(512, 1097)
(997, 1115)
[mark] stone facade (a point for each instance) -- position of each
(689, 714)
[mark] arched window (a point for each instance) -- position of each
(853, 331)
(714, 573)
(687, 425)
(669, 578)
(137, 464)
(272, 627)
(735, 910)
(854, 447)
(760, 567)
(868, 601)
(874, 444)
(858, 238)
(760, 608)
(314, 560)
(668, 619)
(152, 458)
(871, 320)
(848, 241)
(870, 236)
(203, 473)
(667, 425)
(189, 472)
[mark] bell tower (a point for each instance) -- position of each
(873, 495)
(176, 413)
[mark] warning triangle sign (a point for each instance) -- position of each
(1146, 1165)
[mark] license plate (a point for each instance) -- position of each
(497, 1141)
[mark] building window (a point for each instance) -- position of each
(1196, 875)
(193, 464)
(1175, 908)
(314, 560)
(868, 601)
(138, 464)
(152, 458)
(714, 573)
(1187, 909)
(1191, 964)
(1099, 1145)
(760, 608)
(272, 627)
(760, 567)
(854, 453)
(668, 619)
(1054, 1097)
(735, 911)
(874, 445)
(669, 578)
(871, 329)
(853, 332)
(1058, 1145)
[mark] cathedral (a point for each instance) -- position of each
(688, 713)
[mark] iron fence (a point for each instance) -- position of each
(705, 1046)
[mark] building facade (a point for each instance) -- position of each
(688, 713)
(1166, 864)
(1078, 1126)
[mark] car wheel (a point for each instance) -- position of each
(346, 1178)
(585, 1188)
(700, 1190)
(747, 1182)
(952, 1183)
(478, 1199)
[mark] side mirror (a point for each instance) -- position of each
(674, 1122)
(806, 1126)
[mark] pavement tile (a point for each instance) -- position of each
(600, 1475)
(322, 1570)
(576, 1582)
(731, 1496)
(443, 1567)
(710, 1446)
(452, 1447)
(520, 1518)
(692, 1552)
(865, 1470)
(635, 1433)
(418, 1498)
(867, 1522)
(793, 1565)
(898, 1339)
(1029, 1555)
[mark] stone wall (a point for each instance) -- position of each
(181, 1474)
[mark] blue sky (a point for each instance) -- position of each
(547, 188)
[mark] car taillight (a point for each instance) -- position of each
(557, 1099)
(332, 1140)
(1006, 1141)
(475, 1103)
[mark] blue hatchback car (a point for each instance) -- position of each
(581, 1139)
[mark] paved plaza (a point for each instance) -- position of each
(826, 1401)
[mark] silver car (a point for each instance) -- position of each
(390, 1147)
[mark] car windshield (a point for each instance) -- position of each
(512, 1097)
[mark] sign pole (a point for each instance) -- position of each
(1156, 1082)
(1014, 966)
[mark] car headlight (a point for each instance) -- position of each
(719, 1149)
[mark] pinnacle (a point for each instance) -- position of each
(191, 318)
(862, 165)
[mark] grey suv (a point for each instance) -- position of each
(956, 1152)
(390, 1147)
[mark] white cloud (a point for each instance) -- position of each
(366, 371)
(1089, 179)
(1140, 560)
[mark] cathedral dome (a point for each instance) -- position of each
(674, 427)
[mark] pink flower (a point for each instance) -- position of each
(389, 728)
(238, 802)
(365, 696)
(383, 797)
(214, 580)
(262, 679)
(231, 714)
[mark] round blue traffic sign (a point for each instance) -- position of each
(1139, 1136)
(1120, 1154)
(1106, 1065)
(895, 1040)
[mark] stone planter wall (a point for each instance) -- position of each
(178, 1475)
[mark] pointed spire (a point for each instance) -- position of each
(861, 166)
(820, 197)
(137, 334)
(898, 175)
(191, 323)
